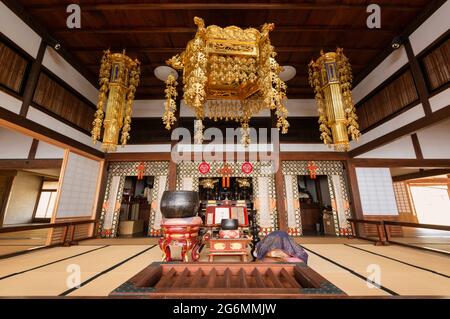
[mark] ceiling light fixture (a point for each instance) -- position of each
(162, 72)
(288, 73)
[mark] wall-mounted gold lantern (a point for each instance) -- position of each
(331, 78)
(119, 77)
(229, 74)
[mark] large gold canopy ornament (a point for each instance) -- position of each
(119, 77)
(331, 78)
(229, 74)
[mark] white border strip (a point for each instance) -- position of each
(440, 100)
(10, 103)
(46, 120)
(18, 31)
(436, 25)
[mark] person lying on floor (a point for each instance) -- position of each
(279, 246)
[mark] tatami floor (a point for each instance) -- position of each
(105, 264)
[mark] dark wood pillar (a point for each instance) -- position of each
(279, 187)
(33, 149)
(355, 200)
(419, 78)
(172, 178)
(32, 80)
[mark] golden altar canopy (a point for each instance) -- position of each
(228, 74)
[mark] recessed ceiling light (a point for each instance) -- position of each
(163, 71)
(288, 73)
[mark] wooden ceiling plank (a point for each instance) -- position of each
(192, 30)
(129, 6)
(177, 50)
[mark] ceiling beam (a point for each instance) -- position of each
(421, 174)
(192, 30)
(218, 6)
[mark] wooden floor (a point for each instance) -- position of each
(106, 264)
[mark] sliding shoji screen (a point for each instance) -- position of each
(79, 187)
(376, 191)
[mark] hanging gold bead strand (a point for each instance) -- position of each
(134, 82)
(170, 105)
(105, 72)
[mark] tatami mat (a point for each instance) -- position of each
(38, 258)
(105, 268)
(397, 277)
(429, 260)
(52, 280)
(7, 250)
(120, 241)
(343, 279)
(106, 283)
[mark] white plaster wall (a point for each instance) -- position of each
(14, 145)
(46, 150)
(397, 122)
(55, 63)
(148, 108)
(401, 148)
(436, 25)
(155, 108)
(224, 148)
(144, 148)
(384, 70)
(440, 100)
(435, 140)
(10, 103)
(305, 148)
(52, 123)
(302, 107)
(22, 199)
(18, 31)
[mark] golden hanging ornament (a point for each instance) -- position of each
(208, 183)
(230, 74)
(119, 78)
(331, 78)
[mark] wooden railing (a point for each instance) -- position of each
(381, 239)
(384, 234)
(68, 234)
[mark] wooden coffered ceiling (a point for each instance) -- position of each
(154, 31)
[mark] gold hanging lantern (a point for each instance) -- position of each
(331, 78)
(119, 77)
(229, 74)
